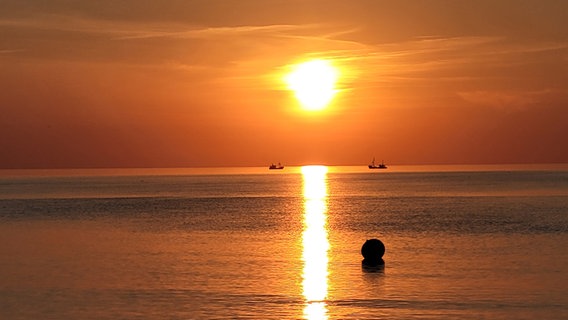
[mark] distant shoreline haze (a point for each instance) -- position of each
(286, 170)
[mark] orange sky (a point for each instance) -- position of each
(199, 83)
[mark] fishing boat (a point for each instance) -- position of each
(276, 166)
(382, 165)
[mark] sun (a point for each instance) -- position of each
(313, 83)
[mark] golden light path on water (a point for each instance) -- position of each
(315, 242)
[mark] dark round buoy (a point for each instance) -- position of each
(373, 251)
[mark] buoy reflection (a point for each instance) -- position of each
(315, 242)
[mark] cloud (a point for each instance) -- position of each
(245, 51)
(479, 61)
(8, 51)
(213, 31)
(142, 30)
(511, 100)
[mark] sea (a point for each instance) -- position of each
(462, 242)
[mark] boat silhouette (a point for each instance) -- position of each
(276, 166)
(382, 165)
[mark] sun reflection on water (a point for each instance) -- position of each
(315, 242)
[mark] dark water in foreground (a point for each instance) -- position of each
(256, 244)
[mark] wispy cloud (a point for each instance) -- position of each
(251, 51)
(510, 100)
(10, 51)
(212, 32)
(439, 58)
(138, 30)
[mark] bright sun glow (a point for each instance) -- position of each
(313, 83)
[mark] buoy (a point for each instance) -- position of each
(373, 251)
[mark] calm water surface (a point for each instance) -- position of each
(248, 243)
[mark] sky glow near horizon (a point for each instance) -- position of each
(199, 83)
